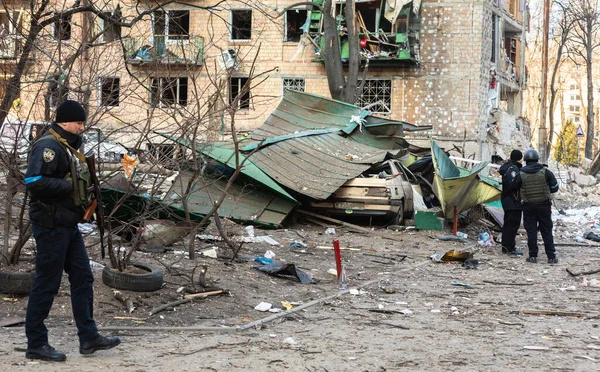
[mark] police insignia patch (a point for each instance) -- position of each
(48, 155)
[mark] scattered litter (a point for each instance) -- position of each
(460, 284)
(471, 264)
(485, 240)
(286, 271)
(209, 237)
(589, 282)
(541, 348)
(356, 292)
(297, 244)
(289, 341)
(212, 252)
(591, 236)
(272, 335)
(263, 306)
(436, 310)
(287, 305)
(264, 260)
(274, 310)
(462, 235)
(250, 231)
(406, 312)
(436, 257)
(453, 255)
(341, 248)
(96, 265)
(245, 239)
(579, 239)
(269, 254)
(451, 238)
(332, 272)
(86, 228)
(330, 231)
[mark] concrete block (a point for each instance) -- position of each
(585, 180)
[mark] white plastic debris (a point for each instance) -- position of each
(570, 288)
(274, 310)
(289, 341)
(330, 231)
(406, 312)
(269, 254)
(263, 306)
(592, 282)
(250, 231)
(212, 252)
(332, 272)
(96, 265)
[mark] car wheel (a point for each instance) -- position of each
(149, 281)
(399, 218)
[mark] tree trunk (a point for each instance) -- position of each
(589, 140)
(331, 53)
(350, 92)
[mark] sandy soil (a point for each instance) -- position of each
(407, 314)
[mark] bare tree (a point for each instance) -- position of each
(583, 41)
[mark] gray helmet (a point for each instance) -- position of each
(531, 155)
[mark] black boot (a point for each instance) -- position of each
(45, 352)
(100, 343)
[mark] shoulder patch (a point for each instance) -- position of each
(48, 155)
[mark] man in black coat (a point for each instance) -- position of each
(54, 179)
(536, 182)
(511, 203)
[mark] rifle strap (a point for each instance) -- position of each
(64, 142)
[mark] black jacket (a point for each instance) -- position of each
(511, 199)
(534, 168)
(46, 180)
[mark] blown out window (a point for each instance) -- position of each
(168, 91)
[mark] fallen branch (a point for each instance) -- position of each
(186, 299)
(125, 300)
(506, 283)
(582, 272)
(558, 313)
(204, 294)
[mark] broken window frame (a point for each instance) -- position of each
(236, 86)
(168, 92)
(109, 28)
(295, 84)
(373, 103)
(297, 24)
(236, 31)
(8, 39)
(109, 98)
(166, 16)
(62, 29)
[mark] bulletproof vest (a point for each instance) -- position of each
(534, 188)
(80, 175)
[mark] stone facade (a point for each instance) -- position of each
(449, 89)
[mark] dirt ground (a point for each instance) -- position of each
(406, 313)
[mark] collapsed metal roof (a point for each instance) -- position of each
(313, 145)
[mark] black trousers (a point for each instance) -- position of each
(538, 216)
(512, 221)
(60, 248)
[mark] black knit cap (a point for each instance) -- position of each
(516, 155)
(70, 111)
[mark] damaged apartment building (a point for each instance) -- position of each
(457, 66)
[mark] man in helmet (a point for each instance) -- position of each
(511, 203)
(536, 182)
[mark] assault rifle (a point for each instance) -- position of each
(96, 206)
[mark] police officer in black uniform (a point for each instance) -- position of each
(536, 182)
(511, 203)
(56, 181)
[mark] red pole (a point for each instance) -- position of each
(455, 225)
(338, 257)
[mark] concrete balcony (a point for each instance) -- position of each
(165, 50)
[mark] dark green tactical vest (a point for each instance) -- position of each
(534, 188)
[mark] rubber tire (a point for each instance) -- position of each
(399, 218)
(16, 283)
(146, 282)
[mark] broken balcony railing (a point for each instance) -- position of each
(165, 49)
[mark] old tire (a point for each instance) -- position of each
(16, 283)
(149, 281)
